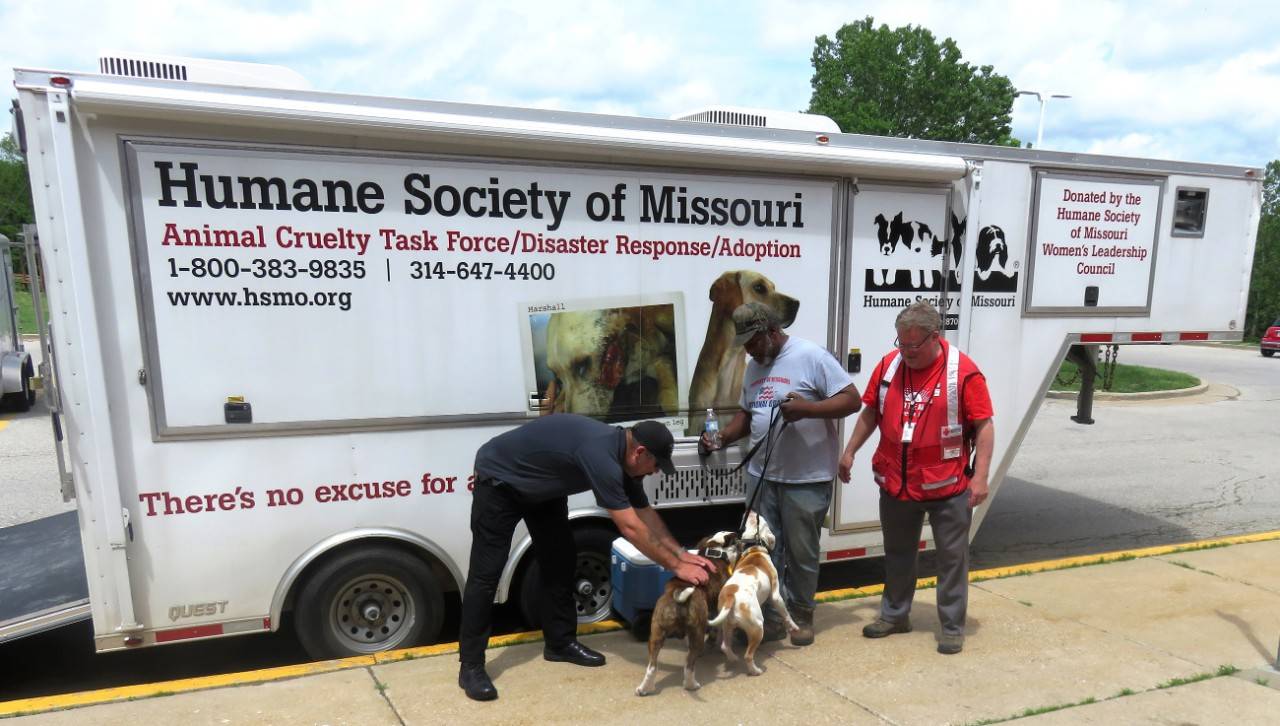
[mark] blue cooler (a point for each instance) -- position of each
(637, 581)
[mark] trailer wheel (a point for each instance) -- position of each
(368, 600)
(592, 585)
(21, 400)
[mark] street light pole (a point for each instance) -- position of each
(1043, 99)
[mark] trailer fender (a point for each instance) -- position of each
(328, 544)
(11, 368)
(517, 559)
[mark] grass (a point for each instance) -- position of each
(1224, 670)
(1128, 379)
(26, 310)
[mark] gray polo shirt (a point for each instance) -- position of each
(562, 454)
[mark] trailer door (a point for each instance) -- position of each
(898, 254)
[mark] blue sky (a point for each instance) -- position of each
(1193, 81)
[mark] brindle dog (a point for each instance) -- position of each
(684, 608)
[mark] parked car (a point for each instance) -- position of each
(1270, 342)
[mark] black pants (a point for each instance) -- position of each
(495, 510)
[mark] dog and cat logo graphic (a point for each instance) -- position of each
(912, 253)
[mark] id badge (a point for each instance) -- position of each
(951, 441)
(908, 430)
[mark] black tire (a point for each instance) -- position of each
(368, 600)
(593, 588)
(1268, 353)
(28, 394)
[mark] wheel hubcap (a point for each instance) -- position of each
(593, 590)
(371, 613)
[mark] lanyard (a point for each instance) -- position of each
(909, 415)
(953, 398)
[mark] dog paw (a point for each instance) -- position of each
(642, 691)
(754, 670)
(692, 686)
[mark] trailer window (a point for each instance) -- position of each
(1189, 212)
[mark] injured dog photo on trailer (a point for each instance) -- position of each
(617, 359)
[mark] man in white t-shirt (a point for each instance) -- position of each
(812, 392)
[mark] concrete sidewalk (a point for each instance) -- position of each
(1181, 637)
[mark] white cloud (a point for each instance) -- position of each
(1183, 78)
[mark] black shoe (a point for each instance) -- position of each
(473, 680)
(575, 653)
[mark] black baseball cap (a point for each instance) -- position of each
(658, 440)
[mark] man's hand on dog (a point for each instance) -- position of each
(795, 407)
(693, 568)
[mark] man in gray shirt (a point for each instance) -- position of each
(812, 392)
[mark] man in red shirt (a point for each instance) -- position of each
(931, 406)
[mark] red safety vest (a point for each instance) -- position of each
(939, 449)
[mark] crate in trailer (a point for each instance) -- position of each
(637, 584)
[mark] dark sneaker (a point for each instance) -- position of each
(772, 632)
(803, 618)
(575, 653)
(880, 627)
(474, 680)
(949, 644)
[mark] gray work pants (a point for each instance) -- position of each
(901, 523)
(795, 513)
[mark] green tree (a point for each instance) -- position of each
(902, 82)
(15, 196)
(1264, 285)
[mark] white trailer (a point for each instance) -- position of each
(284, 320)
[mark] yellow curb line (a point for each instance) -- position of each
(4, 423)
(147, 690)
(1106, 557)
(125, 693)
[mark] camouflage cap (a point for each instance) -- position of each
(751, 318)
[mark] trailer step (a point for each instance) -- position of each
(42, 577)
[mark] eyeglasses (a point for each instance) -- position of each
(913, 347)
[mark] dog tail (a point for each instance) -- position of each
(726, 606)
(720, 617)
(683, 595)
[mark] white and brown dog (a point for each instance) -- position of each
(683, 608)
(717, 377)
(754, 582)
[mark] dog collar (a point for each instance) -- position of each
(715, 553)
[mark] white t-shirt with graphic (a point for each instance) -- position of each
(808, 450)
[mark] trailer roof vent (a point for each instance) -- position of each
(762, 118)
(199, 70)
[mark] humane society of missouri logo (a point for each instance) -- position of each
(913, 256)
